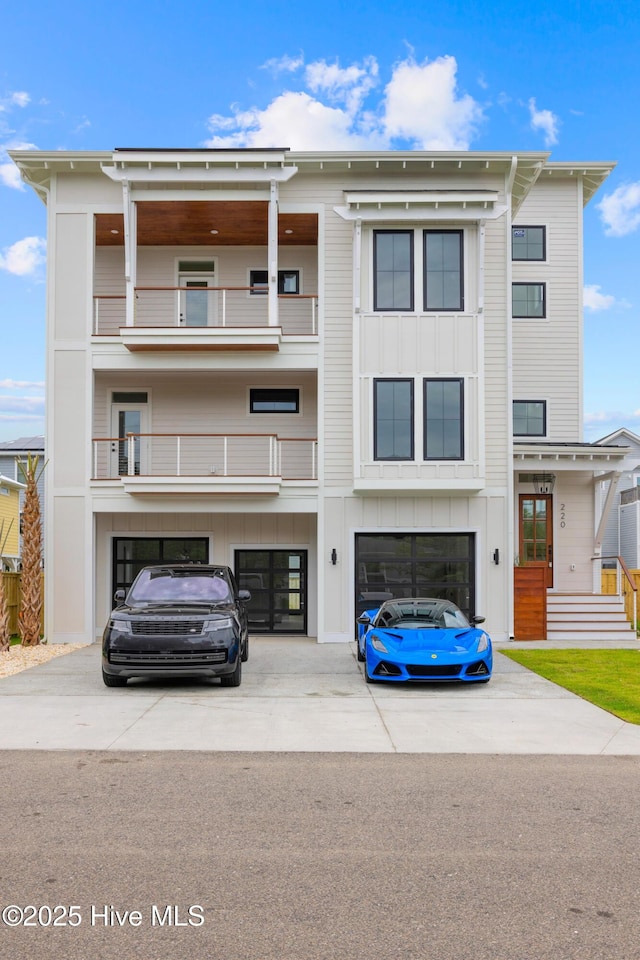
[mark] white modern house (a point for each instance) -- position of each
(349, 376)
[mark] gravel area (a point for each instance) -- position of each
(18, 658)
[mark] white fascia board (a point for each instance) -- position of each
(169, 173)
(386, 197)
(424, 211)
(13, 484)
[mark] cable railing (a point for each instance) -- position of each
(206, 307)
(204, 454)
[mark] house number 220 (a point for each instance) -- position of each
(563, 516)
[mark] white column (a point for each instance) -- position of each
(272, 255)
(130, 252)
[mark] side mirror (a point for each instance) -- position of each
(119, 595)
(364, 619)
(475, 620)
(244, 595)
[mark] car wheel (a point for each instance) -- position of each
(360, 655)
(245, 650)
(110, 681)
(233, 679)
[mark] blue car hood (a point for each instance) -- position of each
(437, 639)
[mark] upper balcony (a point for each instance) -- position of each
(205, 275)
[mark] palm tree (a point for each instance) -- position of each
(5, 632)
(31, 600)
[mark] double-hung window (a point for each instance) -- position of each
(529, 418)
(393, 270)
(528, 243)
(528, 300)
(444, 419)
(393, 419)
(443, 274)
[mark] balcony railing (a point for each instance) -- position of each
(206, 307)
(204, 454)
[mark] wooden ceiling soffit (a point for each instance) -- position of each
(190, 223)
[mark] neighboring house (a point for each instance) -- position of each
(350, 376)
(13, 454)
(10, 492)
(622, 533)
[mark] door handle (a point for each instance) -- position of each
(550, 554)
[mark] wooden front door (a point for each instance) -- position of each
(536, 533)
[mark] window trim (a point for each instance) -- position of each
(461, 383)
(530, 226)
(460, 307)
(411, 308)
(279, 413)
(544, 418)
(411, 382)
(530, 316)
(264, 290)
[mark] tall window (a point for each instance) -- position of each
(443, 275)
(529, 418)
(393, 270)
(444, 419)
(393, 419)
(528, 243)
(528, 300)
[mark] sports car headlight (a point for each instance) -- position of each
(377, 643)
(220, 624)
(120, 626)
(483, 643)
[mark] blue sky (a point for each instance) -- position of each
(562, 76)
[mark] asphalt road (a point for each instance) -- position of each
(319, 856)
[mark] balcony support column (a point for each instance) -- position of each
(272, 254)
(130, 252)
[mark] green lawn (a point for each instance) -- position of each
(608, 678)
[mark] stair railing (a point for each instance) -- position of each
(626, 588)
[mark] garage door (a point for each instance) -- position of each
(131, 554)
(415, 565)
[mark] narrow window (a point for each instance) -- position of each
(444, 419)
(528, 243)
(393, 419)
(529, 418)
(443, 275)
(288, 281)
(393, 270)
(274, 401)
(529, 300)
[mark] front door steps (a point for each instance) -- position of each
(587, 616)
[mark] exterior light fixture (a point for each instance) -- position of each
(334, 556)
(543, 482)
(213, 231)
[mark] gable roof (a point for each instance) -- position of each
(23, 444)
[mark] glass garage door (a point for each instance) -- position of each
(277, 580)
(415, 565)
(131, 554)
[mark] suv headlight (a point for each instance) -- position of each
(224, 623)
(120, 626)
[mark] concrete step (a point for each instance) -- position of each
(586, 616)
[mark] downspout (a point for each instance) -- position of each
(513, 547)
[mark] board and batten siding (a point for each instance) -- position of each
(547, 354)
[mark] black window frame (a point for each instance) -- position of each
(460, 382)
(404, 309)
(460, 307)
(411, 383)
(530, 316)
(530, 226)
(544, 419)
(293, 392)
(258, 288)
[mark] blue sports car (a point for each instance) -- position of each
(423, 639)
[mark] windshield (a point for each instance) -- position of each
(420, 615)
(184, 586)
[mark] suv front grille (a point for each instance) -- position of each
(137, 658)
(166, 628)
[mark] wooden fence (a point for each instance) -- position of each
(609, 586)
(11, 583)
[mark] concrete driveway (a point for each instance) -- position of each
(297, 695)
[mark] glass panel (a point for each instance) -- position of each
(541, 509)
(528, 300)
(288, 281)
(541, 530)
(196, 266)
(274, 401)
(393, 402)
(393, 268)
(196, 309)
(541, 551)
(527, 243)
(258, 279)
(443, 419)
(129, 397)
(443, 270)
(527, 508)
(527, 529)
(528, 551)
(129, 421)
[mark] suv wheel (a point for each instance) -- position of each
(110, 681)
(233, 679)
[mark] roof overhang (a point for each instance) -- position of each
(554, 457)
(11, 484)
(381, 205)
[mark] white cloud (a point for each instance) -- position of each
(9, 173)
(22, 384)
(19, 98)
(18, 407)
(546, 121)
(594, 300)
(24, 256)
(620, 210)
(283, 64)
(421, 108)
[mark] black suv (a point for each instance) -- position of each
(177, 621)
